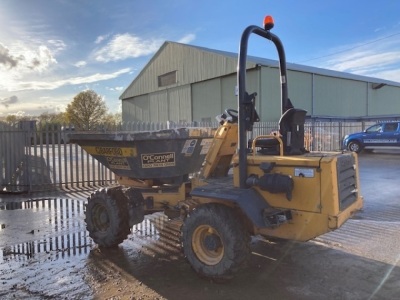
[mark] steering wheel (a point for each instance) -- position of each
(233, 113)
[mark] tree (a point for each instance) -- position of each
(14, 119)
(52, 118)
(87, 110)
(55, 120)
(113, 119)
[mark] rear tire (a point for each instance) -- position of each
(107, 218)
(354, 146)
(215, 241)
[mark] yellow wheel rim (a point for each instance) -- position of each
(100, 217)
(207, 245)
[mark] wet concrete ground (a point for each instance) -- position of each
(45, 253)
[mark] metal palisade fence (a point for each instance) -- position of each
(39, 157)
(38, 160)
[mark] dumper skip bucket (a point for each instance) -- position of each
(170, 153)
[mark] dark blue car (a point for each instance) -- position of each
(378, 135)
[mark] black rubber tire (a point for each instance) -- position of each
(107, 218)
(221, 228)
(354, 146)
(135, 202)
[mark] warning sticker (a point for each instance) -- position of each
(110, 151)
(205, 146)
(304, 172)
(120, 163)
(158, 160)
(189, 146)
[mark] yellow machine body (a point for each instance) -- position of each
(316, 205)
(321, 200)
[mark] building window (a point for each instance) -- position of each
(167, 79)
(206, 120)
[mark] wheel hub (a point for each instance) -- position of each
(101, 218)
(207, 245)
(212, 242)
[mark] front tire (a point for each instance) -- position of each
(107, 218)
(354, 146)
(215, 242)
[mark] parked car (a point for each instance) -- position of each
(378, 135)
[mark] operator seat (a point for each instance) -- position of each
(291, 129)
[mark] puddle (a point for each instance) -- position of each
(70, 205)
(43, 226)
(63, 246)
(46, 251)
(156, 237)
(11, 206)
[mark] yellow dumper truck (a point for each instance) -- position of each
(222, 187)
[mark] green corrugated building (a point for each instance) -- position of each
(190, 83)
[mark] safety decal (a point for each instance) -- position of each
(304, 172)
(119, 163)
(205, 146)
(111, 151)
(189, 147)
(158, 160)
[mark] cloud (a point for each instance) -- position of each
(361, 61)
(21, 113)
(7, 59)
(101, 38)
(35, 109)
(115, 89)
(187, 38)
(51, 85)
(80, 64)
(9, 100)
(24, 59)
(41, 59)
(123, 46)
(393, 75)
(380, 60)
(57, 45)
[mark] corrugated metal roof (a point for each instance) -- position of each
(270, 63)
(301, 68)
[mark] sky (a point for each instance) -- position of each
(50, 50)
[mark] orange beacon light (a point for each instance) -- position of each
(268, 23)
